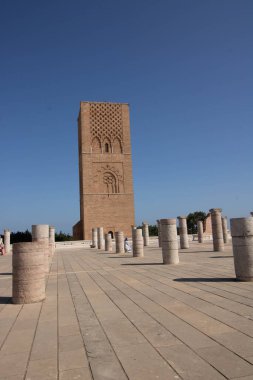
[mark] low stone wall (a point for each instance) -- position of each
(74, 244)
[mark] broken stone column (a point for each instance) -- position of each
(218, 243)
(101, 242)
(159, 233)
(28, 266)
(145, 232)
(169, 241)
(224, 228)
(119, 242)
(94, 233)
(51, 240)
(133, 229)
(108, 242)
(40, 233)
(242, 241)
(200, 231)
(7, 241)
(183, 233)
(138, 243)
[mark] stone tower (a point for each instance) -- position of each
(105, 169)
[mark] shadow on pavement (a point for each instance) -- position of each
(143, 263)
(202, 279)
(119, 257)
(220, 257)
(5, 300)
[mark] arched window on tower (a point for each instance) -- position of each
(117, 147)
(107, 146)
(96, 145)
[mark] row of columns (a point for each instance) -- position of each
(241, 231)
(40, 230)
(140, 238)
(167, 235)
(219, 227)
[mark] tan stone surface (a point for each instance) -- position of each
(145, 233)
(105, 169)
(118, 317)
(7, 241)
(28, 265)
(218, 240)
(169, 241)
(242, 240)
(119, 242)
(200, 231)
(183, 232)
(138, 246)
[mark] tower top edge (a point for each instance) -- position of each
(90, 102)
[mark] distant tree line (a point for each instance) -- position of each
(20, 237)
(192, 223)
(61, 236)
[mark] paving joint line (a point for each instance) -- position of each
(99, 325)
(194, 327)
(152, 317)
(206, 291)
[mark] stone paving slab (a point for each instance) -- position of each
(109, 316)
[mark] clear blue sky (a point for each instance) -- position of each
(185, 67)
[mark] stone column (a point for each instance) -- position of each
(218, 243)
(200, 231)
(251, 213)
(169, 241)
(108, 242)
(101, 242)
(159, 233)
(94, 233)
(7, 241)
(145, 234)
(138, 243)
(40, 234)
(224, 229)
(51, 240)
(119, 242)
(242, 241)
(184, 241)
(28, 266)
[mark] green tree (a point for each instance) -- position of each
(192, 221)
(153, 229)
(20, 237)
(61, 236)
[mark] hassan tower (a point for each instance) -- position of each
(105, 169)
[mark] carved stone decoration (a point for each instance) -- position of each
(108, 179)
(106, 121)
(110, 182)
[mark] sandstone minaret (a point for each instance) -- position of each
(105, 169)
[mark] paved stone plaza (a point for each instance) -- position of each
(110, 316)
